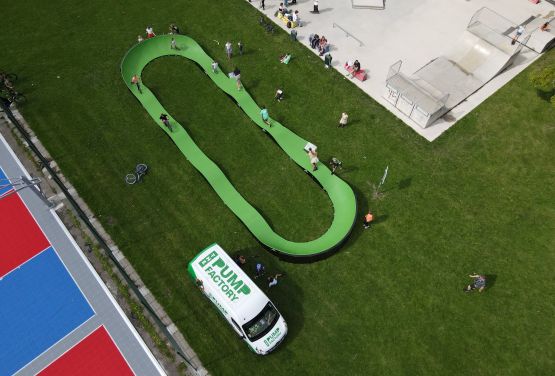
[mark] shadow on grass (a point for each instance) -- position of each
(380, 219)
(490, 280)
(545, 95)
(400, 185)
(405, 183)
(287, 295)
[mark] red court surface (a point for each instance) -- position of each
(96, 355)
(20, 236)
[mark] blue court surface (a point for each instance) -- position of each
(39, 305)
(4, 186)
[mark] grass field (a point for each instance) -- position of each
(479, 199)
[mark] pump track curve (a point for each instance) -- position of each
(340, 193)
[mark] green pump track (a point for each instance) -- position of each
(339, 192)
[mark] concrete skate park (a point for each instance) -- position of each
(429, 62)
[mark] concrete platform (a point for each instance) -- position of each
(415, 32)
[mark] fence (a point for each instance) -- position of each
(81, 214)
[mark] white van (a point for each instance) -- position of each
(247, 309)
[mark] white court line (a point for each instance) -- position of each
(26, 261)
(90, 267)
(54, 344)
(119, 350)
(8, 191)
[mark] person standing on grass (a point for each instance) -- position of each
(166, 121)
(313, 156)
(279, 95)
(479, 283)
(343, 121)
(241, 260)
(327, 60)
(140, 38)
(240, 46)
(259, 270)
(150, 32)
(367, 220)
(214, 67)
(273, 280)
(135, 81)
(229, 50)
(265, 116)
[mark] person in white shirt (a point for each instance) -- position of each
(273, 280)
(229, 50)
(313, 156)
(150, 32)
(343, 121)
(296, 18)
(214, 66)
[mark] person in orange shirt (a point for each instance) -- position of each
(368, 218)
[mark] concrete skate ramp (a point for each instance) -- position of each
(540, 41)
(483, 51)
(478, 56)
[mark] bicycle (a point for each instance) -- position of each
(140, 171)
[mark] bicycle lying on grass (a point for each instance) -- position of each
(140, 171)
(7, 89)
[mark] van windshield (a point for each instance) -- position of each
(262, 323)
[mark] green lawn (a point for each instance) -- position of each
(479, 199)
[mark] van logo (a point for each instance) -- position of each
(224, 276)
(272, 337)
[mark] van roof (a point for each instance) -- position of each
(229, 284)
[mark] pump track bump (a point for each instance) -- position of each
(340, 193)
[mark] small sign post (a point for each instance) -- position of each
(383, 179)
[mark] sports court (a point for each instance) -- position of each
(56, 316)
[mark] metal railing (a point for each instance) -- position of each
(348, 34)
(379, 5)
